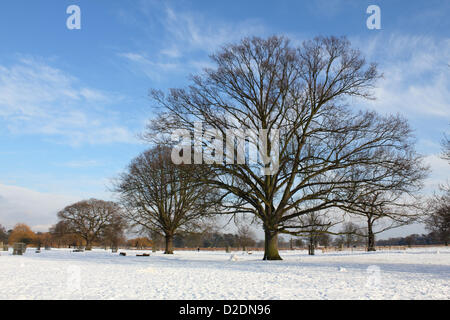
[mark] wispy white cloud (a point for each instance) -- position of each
(193, 31)
(153, 69)
(36, 209)
(36, 98)
(184, 39)
(80, 164)
(416, 74)
(327, 8)
(440, 173)
(416, 85)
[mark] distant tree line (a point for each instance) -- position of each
(413, 239)
(349, 238)
(60, 236)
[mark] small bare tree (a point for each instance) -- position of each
(393, 200)
(63, 236)
(437, 214)
(383, 210)
(314, 225)
(350, 235)
(90, 218)
(437, 219)
(163, 197)
(113, 234)
(246, 237)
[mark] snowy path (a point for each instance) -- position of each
(62, 274)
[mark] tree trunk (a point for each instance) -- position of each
(88, 245)
(169, 244)
(311, 248)
(271, 246)
(370, 238)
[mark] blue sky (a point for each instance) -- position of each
(72, 102)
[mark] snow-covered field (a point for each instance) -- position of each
(62, 274)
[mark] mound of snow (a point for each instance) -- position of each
(233, 257)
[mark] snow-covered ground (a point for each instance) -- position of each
(63, 274)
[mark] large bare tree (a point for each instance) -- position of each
(303, 92)
(90, 219)
(163, 197)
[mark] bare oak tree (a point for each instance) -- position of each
(437, 220)
(304, 93)
(314, 225)
(90, 218)
(63, 236)
(113, 235)
(160, 196)
(351, 235)
(382, 211)
(393, 201)
(437, 214)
